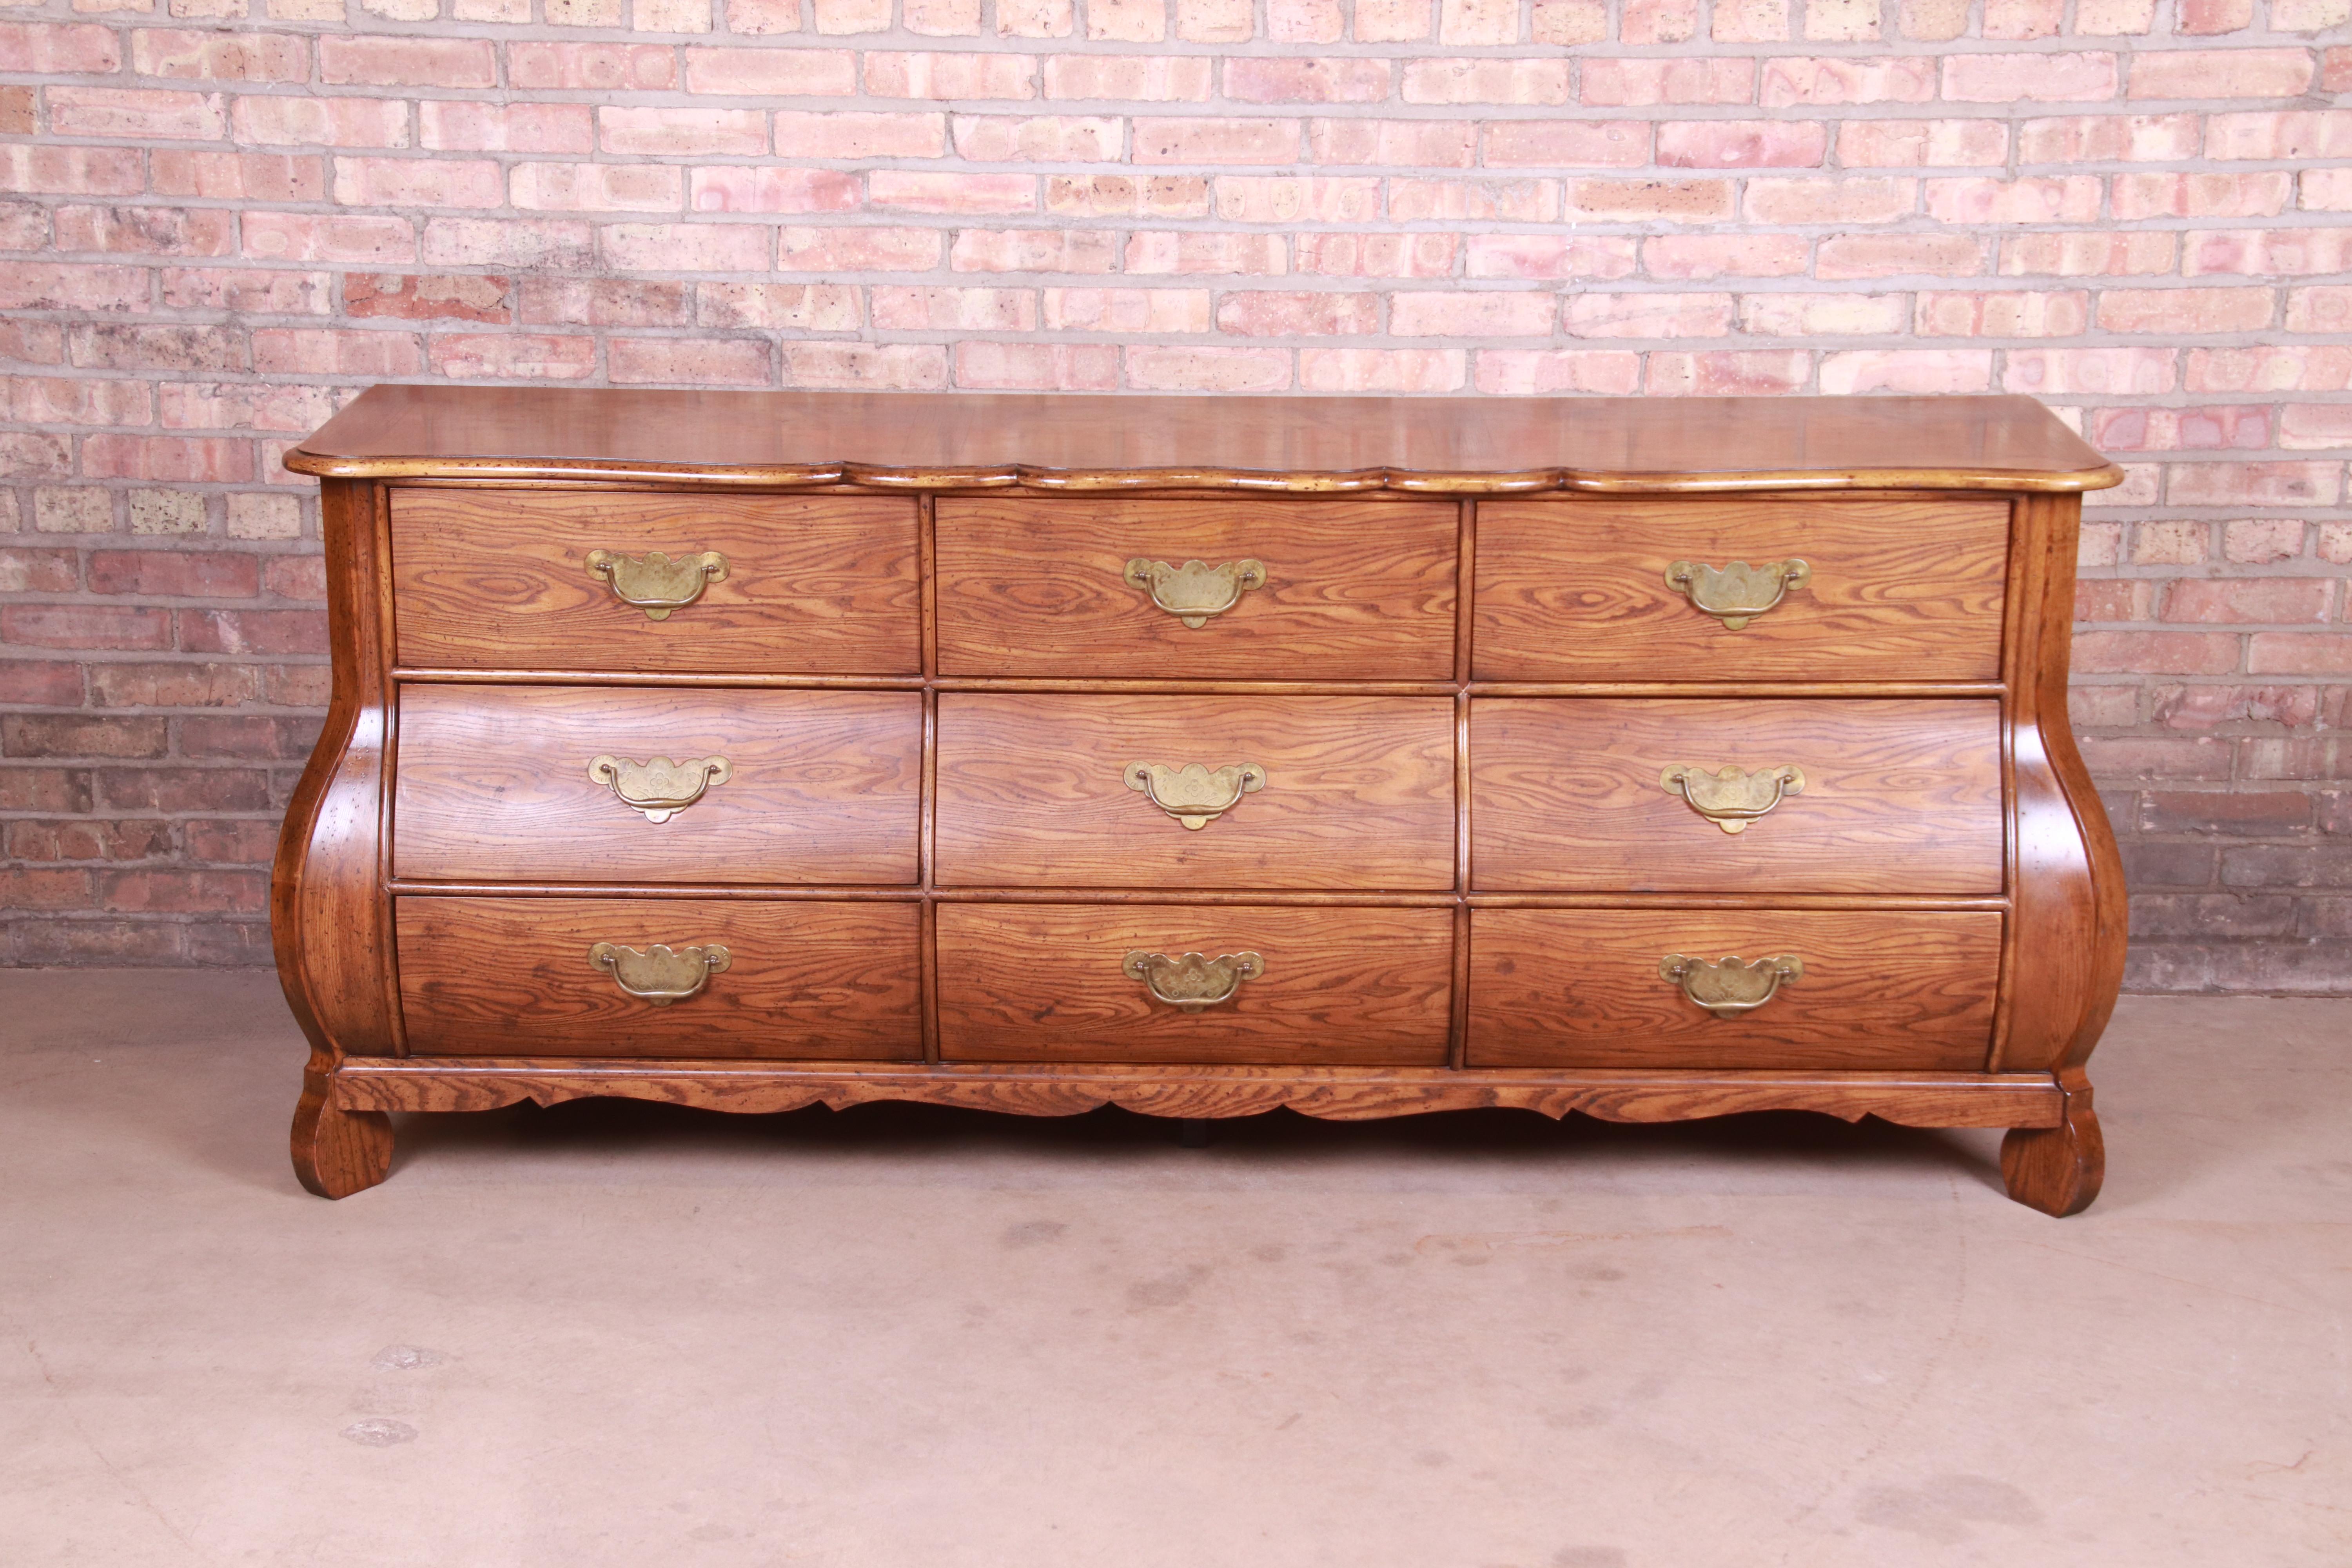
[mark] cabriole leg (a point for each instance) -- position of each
(2058, 1169)
(338, 1152)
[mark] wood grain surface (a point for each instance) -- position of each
(493, 784)
(1361, 590)
(1358, 792)
(1334, 1093)
(816, 584)
(511, 977)
(1448, 445)
(1044, 982)
(1908, 991)
(1900, 796)
(1576, 590)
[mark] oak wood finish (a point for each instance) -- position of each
(2026, 1100)
(1044, 982)
(1581, 988)
(1905, 588)
(508, 976)
(1358, 792)
(814, 584)
(1898, 797)
(1354, 589)
(1941, 532)
(493, 783)
(1452, 446)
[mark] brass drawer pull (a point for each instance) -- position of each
(1731, 797)
(1196, 590)
(1194, 981)
(659, 787)
(1194, 794)
(1738, 593)
(660, 976)
(653, 581)
(1729, 987)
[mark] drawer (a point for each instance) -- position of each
(579, 977)
(1579, 590)
(814, 787)
(1069, 791)
(1342, 590)
(1083, 984)
(501, 579)
(1870, 989)
(1609, 794)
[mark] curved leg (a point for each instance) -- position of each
(2058, 1169)
(338, 1152)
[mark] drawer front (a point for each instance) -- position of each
(501, 579)
(580, 977)
(1067, 791)
(1872, 989)
(1609, 794)
(817, 787)
(1344, 590)
(1891, 590)
(1081, 984)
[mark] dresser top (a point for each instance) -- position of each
(1462, 446)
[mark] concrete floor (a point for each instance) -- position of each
(913, 1338)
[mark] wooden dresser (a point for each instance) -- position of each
(1651, 759)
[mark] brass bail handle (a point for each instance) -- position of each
(660, 976)
(1738, 593)
(654, 583)
(1194, 794)
(1192, 982)
(1731, 797)
(1731, 986)
(658, 787)
(1195, 591)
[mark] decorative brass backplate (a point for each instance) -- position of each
(1729, 987)
(659, 974)
(1196, 590)
(654, 583)
(1738, 593)
(1731, 797)
(659, 787)
(1194, 794)
(1193, 981)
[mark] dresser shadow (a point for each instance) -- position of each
(1506, 1143)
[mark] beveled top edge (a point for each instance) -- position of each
(1286, 446)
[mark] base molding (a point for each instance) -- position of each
(1915, 1100)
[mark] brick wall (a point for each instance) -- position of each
(219, 219)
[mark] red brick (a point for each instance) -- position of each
(44, 789)
(220, 57)
(1546, 256)
(1528, 372)
(2316, 427)
(1938, 371)
(457, 126)
(112, 942)
(1474, 201)
(1847, 79)
(2258, 484)
(234, 840)
(1742, 145)
(2119, 372)
(2207, 74)
(603, 303)
(1610, 315)
(683, 133)
(410, 62)
(1181, 140)
(70, 171)
(859, 249)
(86, 626)
(2009, 78)
(1296, 79)
(115, 736)
(290, 121)
(183, 891)
(1038, 367)
(1164, 78)
(1557, 144)
(923, 191)
(537, 356)
(913, 367)
(184, 789)
(1335, 255)
(1729, 372)
(1453, 143)
(1640, 83)
(2154, 653)
(1522, 82)
(88, 839)
(1156, 369)
(466, 296)
(736, 188)
(1285, 314)
(2210, 707)
(251, 631)
(175, 573)
(2299, 653)
(1346, 370)
(2258, 600)
(943, 76)
(1480, 315)
(2183, 310)
(1897, 255)
(42, 888)
(1699, 257)
(46, 49)
(251, 736)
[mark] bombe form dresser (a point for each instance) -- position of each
(1651, 759)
